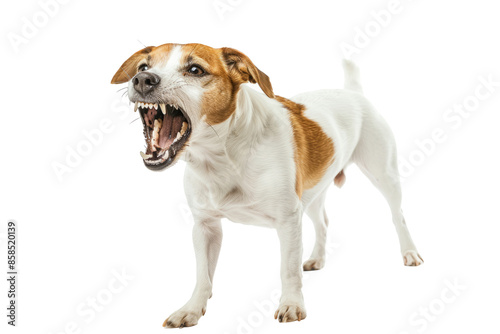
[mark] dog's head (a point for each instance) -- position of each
(177, 87)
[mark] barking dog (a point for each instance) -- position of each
(256, 158)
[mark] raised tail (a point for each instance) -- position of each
(351, 76)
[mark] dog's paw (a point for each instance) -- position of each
(290, 312)
(412, 258)
(313, 264)
(183, 317)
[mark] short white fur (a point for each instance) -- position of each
(244, 169)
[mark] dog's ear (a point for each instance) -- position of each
(129, 67)
(241, 70)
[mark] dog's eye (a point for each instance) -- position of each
(143, 67)
(196, 70)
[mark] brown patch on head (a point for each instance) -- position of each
(313, 148)
(160, 54)
(129, 67)
(219, 98)
(228, 69)
(151, 55)
(241, 70)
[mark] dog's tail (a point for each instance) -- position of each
(351, 76)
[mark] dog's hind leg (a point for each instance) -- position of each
(376, 156)
(316, 211)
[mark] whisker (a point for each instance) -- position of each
(214, 130)
(134, 120)
(125, 73)
(175, 87)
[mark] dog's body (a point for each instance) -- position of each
(268, 161)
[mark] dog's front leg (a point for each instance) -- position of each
(207, 239)
(291, 307)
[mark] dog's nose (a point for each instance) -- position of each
(145, 82)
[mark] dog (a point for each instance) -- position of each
(257, 158)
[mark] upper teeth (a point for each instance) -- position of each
(147, 105)
(154, 105)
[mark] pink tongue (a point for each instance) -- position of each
(169, 129)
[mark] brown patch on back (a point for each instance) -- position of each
(313, 148)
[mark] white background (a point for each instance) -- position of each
(111, 213)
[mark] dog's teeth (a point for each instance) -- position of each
(163, 108)
(158, 123)
(156, 132)
(166, 155)
(178, 137)
(146, 156)
(135, 106)
(155, 106)
(184, 128)
(141, 104)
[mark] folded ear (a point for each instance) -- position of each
(129, 67)
(241, 70)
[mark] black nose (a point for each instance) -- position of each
(145, 82)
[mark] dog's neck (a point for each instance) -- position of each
(223, 150)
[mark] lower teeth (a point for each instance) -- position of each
(146, 156)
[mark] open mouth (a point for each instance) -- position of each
(166, 130)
